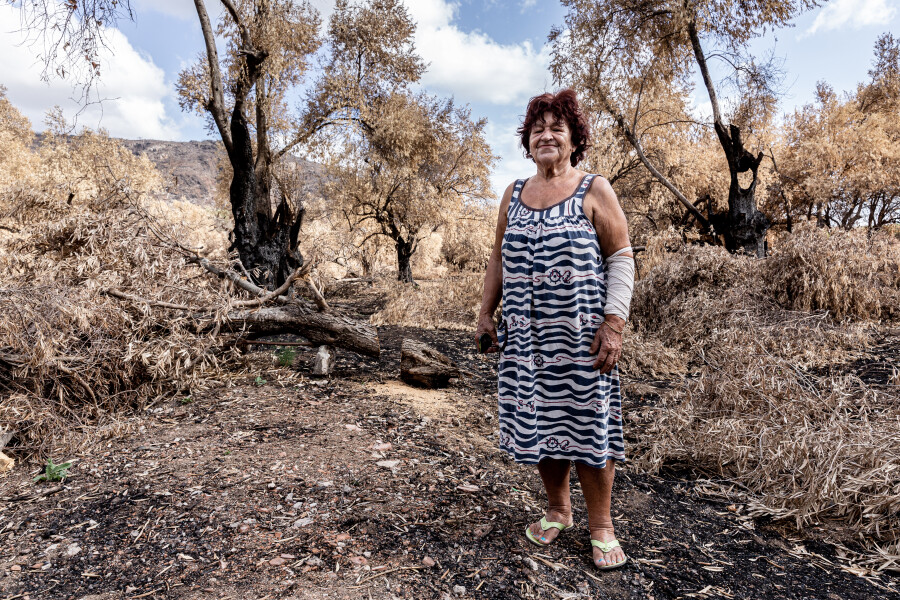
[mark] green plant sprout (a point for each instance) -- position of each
(286, 355)
(54, 472)
(259, 380)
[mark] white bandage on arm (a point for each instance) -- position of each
(619, 283)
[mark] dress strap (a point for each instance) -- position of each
(517, 189)
(585, 185)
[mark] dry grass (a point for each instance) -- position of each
(449, 303)
(848, 273)
(765, 410)
(71, 355)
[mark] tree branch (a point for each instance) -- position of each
(216, 105)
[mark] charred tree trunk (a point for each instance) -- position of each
(267, 244)
(744, 226)
(405, 251)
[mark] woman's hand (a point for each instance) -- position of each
(486, 325)
(608, 344)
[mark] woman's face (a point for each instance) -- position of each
(551, 140)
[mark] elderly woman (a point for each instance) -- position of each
(564, 265)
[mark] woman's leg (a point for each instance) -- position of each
(596, 484)
(555, 475)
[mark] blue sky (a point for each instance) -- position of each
(489, 54)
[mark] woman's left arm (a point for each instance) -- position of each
(602, 208)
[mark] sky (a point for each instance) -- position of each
(490, 54)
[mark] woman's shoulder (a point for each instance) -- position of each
(599, 188)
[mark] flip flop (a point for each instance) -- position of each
(545, 525)
(606, 548)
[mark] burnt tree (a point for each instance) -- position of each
(266, 229)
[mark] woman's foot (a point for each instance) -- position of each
(614, 556)
(545, 537)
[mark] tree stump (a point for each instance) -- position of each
(423, 365)
(324, 361)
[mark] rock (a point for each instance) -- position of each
(72, 550)
(323, 364)
(302, 522)
(459, 590)
(388, 464)
(5, 436)
(243, 528)
(531, 564)
(423, 365)
(277, 561)
(15, 568)
(378, 446)
(428, 562)
(359, 560)
(314, 561)
(6, 463)
(342, 537)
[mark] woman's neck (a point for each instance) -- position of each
(554, 170)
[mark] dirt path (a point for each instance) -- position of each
(360, 487)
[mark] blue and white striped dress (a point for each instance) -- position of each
(553, 404)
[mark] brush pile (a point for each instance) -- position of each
(77, 223)
(774, 405)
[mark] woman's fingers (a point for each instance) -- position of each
(611, 359)
(595, 345)
(610, 349)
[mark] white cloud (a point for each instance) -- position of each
(526, 4)
(132, 85)
(855, 14)
(512, 165)
(180, 9)
(472, 66)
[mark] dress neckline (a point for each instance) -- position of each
(555, 204)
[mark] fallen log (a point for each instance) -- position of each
(423, 365)
(322, 329)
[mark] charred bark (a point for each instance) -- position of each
(322, 329)
(405, 251)
(743, 226)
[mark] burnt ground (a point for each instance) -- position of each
(279, 485)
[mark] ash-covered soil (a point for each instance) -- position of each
(280, 485)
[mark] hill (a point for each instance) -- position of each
(189, 169)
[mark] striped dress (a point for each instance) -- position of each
(553, 404)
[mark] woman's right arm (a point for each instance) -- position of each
(493, 279)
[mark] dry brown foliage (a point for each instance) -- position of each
(765, 410)
(448, 303)
(848, 273)
(70, 354)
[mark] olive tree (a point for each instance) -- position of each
(636, 61)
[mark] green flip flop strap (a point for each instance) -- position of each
(605, 547)
(545, 525)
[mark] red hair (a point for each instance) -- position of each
(563, 105)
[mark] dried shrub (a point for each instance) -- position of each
(765, 410)
(467, 241)
(848, 273)
(806, 448)
(449, 303)
(646, 357)
(71, 355)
